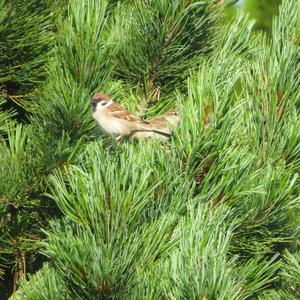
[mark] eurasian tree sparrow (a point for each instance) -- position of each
(114, 120)
(163, 123)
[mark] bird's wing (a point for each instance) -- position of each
(118, 111)
(158, 121)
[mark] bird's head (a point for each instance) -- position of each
(173, 117)
(100, 101)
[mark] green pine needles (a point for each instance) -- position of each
(211, 214)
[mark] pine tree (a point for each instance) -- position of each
(262, 12)
(212, 214)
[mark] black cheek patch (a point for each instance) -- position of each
(94, 104)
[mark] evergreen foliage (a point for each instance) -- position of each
(212, 214)
(26, 35)
(262, 12)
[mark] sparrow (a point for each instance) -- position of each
(116, 121)
(163, 123)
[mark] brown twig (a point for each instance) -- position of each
(24, 265)
(16, 273)
(15, 96)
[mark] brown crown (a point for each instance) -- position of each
(101, 96)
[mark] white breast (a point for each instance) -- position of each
(111, 125)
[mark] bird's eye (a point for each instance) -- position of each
(103, 103)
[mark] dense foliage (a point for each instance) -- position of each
(212, 214)
(262, 12)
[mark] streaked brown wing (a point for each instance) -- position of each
(116, 107)
(119, 112)
(160, 121)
